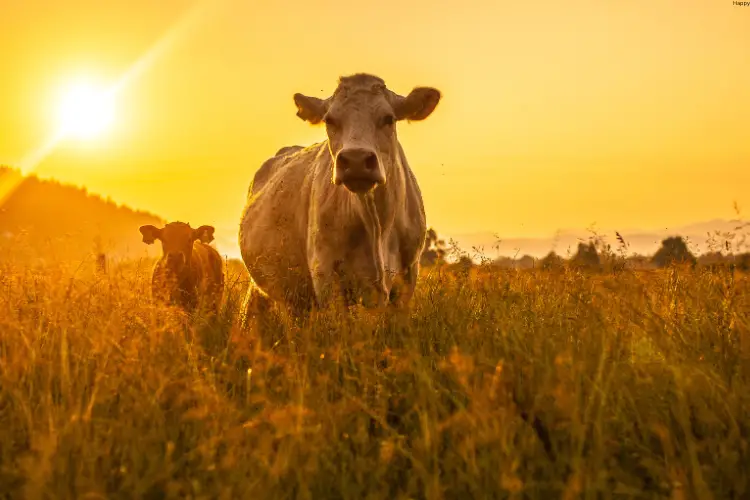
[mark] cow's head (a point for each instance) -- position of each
(360, 119)
(177, 242)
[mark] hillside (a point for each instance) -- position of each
(44, 217)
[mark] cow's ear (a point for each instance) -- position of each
(418, 105)
(204, 233)
(150, 233)
(310, 109)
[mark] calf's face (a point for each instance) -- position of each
(360, 119)
(177, 243)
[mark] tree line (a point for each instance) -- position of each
(594, 255)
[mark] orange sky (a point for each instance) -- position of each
(554, 114)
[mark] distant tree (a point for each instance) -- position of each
(638, 262)
(101, 263)
(434, 250)
(526, 262)
(586, 256)
(713, 260)
(742, 261)
(101, 256)
(552, 261)
(465, 262)
(503, 263)
(673, 250)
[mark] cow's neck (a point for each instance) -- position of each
(378, 209)
(186, 286)
(183, 280)
(390, 195)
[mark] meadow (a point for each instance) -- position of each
(498, 384)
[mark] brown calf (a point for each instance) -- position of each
(189, 273)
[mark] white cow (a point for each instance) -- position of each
(342, 219)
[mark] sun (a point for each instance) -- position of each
(85, 111)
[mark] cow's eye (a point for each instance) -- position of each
(387, 120)
(330, 121)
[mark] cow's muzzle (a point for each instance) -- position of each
(175, 262)
(358, 169)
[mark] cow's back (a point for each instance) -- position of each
(271, 166)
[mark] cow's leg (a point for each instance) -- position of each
(331, 285)
(406, 289)
(328, 288)
(396, 286)
(255, 306)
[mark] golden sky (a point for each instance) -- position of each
(554, 114)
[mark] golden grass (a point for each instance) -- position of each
(518, 384)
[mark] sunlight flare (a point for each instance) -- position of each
(85, 111)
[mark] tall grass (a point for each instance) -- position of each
(498, 384)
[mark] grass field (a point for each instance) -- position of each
(500, 384)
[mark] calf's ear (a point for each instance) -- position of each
(150, 233)
(204, 233)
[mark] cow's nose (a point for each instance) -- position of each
(357, 157)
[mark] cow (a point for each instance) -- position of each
(190, 273)
(341, 220)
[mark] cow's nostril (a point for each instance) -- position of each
(343, 162)
(371, 162)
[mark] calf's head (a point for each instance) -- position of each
(177, 243)
(360, 119)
